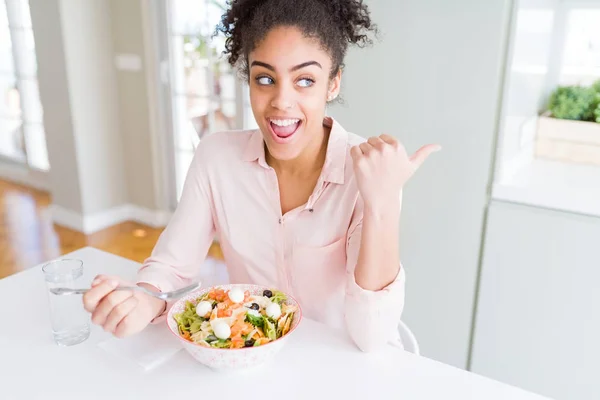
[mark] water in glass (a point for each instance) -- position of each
(69, 320)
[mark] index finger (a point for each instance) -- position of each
(97, 293)
(98, 279)
(389, 139)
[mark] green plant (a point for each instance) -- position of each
(574, 103)
(596, 87)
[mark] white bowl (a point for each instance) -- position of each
(231, 359)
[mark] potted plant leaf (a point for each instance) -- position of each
(570, 128)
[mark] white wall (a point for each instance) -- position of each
(78, 90)
(133, 91)
(94, 103)
(54, 95)
(435, 77)
(97, 118)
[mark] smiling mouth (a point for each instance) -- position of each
(284, 128)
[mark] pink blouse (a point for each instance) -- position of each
(310, 252)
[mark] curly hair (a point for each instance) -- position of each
(334, 23)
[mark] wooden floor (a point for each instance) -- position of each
(28, 237)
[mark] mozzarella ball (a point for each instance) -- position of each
(236, 295)
(203, 308)
(273, 311)
(222, 330)
(254, 313)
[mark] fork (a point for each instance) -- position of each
(175, 294)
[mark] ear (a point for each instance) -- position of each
(334, 86)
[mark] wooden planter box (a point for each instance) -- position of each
(568, 141)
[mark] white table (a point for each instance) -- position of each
(317, 363)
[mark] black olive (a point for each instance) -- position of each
(254, 306)
(214, 304)
(268, 293)
(249, 343)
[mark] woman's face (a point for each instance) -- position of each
(289, 80)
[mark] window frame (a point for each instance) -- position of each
(166, 78)
(23, 170)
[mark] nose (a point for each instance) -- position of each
(284, 98)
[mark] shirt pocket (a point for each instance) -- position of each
(319, 278)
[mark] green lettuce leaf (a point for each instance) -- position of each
(278, 297)
(221, 344)
(270, 329)
(256, 321)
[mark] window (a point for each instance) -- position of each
(581, 54)
(206, 95)
(542, 161)
(22, 136)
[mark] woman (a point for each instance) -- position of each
(299, 204)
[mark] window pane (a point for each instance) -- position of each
(203, 85)
(227, 82)
(187, 16)
(196, 70)
(30, 98)
(20, 107)
(35, 140)
(249, 121)
(178, 64)
(196, 16)
(11, 139)
(183, 159)
(581, 58)
(224, 117)
(191, 121)
(3, 17)
(10, 103)
(532, 47)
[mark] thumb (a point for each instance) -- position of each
(421, 155)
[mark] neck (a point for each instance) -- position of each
(308, 162)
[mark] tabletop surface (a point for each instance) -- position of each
(316, 363)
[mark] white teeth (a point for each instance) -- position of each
(284, 122)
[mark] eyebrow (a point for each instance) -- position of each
(294, 68)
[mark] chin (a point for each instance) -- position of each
(285, 152)
(283, 155)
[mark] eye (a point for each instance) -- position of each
(264, 80)
(305, 82)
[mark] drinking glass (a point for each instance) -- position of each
(69, 320)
